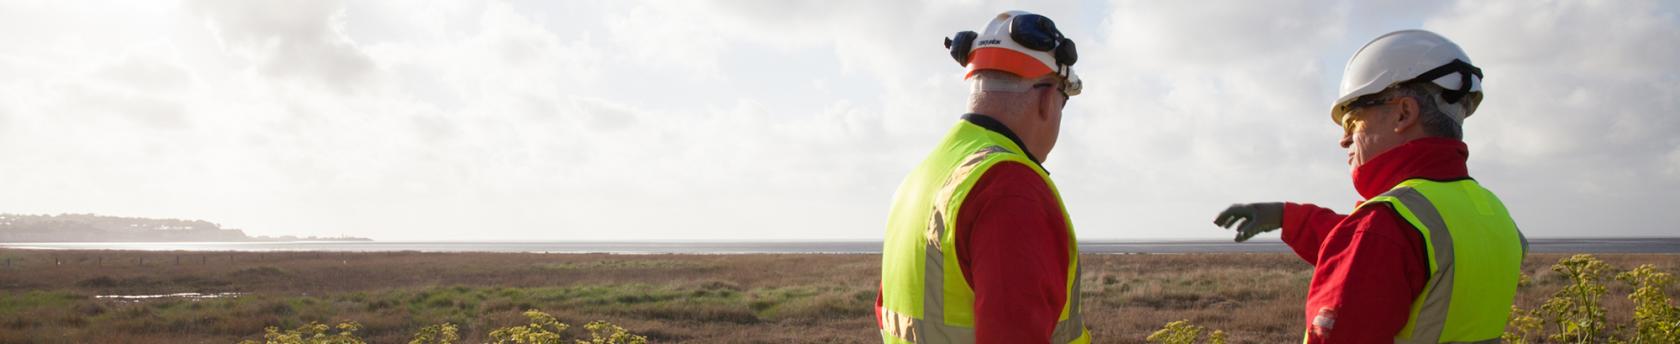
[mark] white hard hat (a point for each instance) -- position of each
(1409, 55)
(1021, 43)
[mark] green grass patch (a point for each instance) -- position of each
(14, 302)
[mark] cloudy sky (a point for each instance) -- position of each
(780, 120)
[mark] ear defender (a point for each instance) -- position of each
(1066, 54)
(960, 45)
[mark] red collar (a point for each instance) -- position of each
(1430, 158)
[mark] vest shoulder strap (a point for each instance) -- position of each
(1429, 311)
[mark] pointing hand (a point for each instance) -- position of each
(1257, 218)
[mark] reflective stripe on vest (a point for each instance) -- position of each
(1485, 280)
(919, 270)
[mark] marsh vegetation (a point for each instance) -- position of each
(52, 296)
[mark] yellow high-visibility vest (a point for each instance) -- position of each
(1475, 258)
(924, 298)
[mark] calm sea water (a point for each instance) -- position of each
(1616, 245)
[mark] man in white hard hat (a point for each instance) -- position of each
(978, 246)
(1430, 256)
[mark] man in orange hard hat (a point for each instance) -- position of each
(978, 246)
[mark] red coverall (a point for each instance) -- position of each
(1369, 266)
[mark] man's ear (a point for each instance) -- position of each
(1406, 113)
(1045, 103)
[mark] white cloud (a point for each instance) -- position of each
(302, 39)
(773, 119)
(1583, 91)
(669, 38)
(1191, 107)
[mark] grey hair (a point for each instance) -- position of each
(1438, 117)
(998, 81)
(991, 88)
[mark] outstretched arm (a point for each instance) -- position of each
(1305, 226)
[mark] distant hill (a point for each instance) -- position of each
(96, 228)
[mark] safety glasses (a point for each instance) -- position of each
(1063, 90)
(1352, 108)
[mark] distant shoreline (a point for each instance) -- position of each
(92, 228)
(1550, 245)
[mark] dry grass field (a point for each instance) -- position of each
(49, 296)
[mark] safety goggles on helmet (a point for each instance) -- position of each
(1025, 44)
(1464, 71)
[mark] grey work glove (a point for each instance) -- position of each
(1259, 218)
